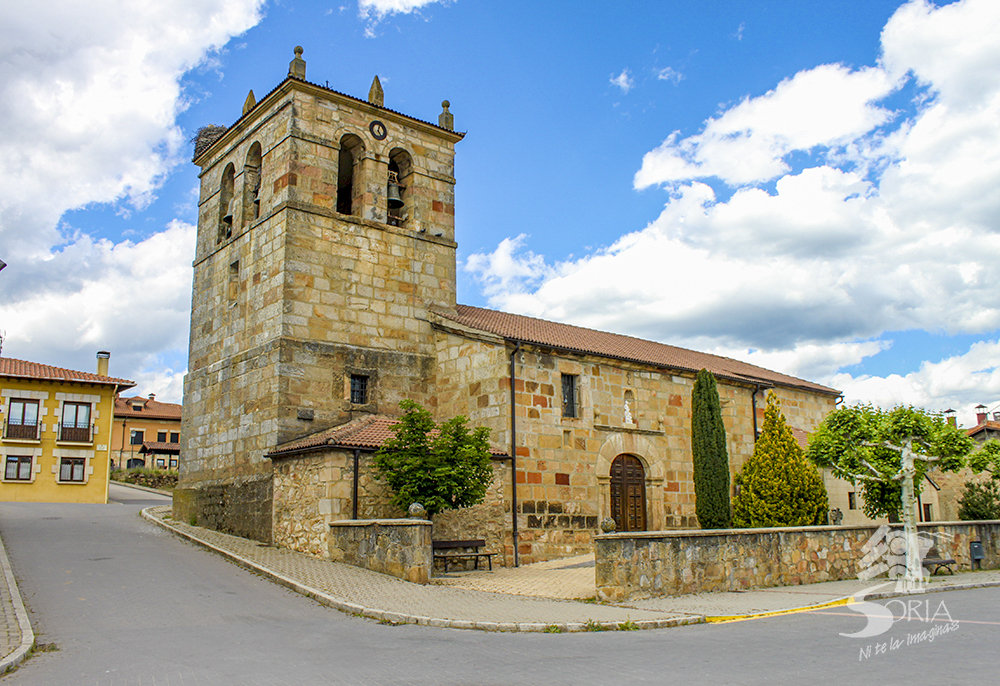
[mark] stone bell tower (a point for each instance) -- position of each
(326, 234)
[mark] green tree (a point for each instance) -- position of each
(441, 467)
(987, 458)
(869, 444)
(979, 501)
(778, 486)
(711, 461)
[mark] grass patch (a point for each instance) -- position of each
(628, 625)
(553, 629)
(593, 626)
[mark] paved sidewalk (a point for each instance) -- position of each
(530, 598)
(16, 636)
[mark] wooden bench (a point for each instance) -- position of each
(932, 559)
(465, 546)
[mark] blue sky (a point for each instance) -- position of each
(807, 186)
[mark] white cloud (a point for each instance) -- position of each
(89, 94)
(374, 11)
(960, 382)
(133, 299)
(669, 74)
(829, 106)
(623, 81)
(892, 224)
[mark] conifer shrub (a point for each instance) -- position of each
(979, 501)
(708, 449)
(778, 486)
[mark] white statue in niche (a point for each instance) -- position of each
(628, 414)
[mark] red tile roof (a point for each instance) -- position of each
(160, 447)
(19, 369)
(515, 327)
(367, 433)
(985, 426)
(151, 409)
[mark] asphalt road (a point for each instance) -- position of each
(123, 602)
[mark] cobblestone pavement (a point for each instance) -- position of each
(571, 578)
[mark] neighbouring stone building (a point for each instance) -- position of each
(324, 293)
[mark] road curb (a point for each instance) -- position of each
(159, 491)
(388, 617)
(24, 623)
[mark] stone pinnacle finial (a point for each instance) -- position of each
(446, 120)
(250, 102)
(376, 95)
(297, 67)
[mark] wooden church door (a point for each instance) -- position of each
(628, 493)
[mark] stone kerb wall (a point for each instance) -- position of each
(667, 563)
(398, 547)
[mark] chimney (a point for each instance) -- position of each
(152, 396)
(980, 415)
(102, 362)
(949, 416)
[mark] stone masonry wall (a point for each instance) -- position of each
(630, 565)
(313, 490)
(564, 463)
(397, 547)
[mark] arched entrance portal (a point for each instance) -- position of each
(628, 493)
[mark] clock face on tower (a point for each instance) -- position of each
(378, 130)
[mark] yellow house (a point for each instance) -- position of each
(56, 443)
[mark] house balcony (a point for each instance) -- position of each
(76, 433)
(21, 432)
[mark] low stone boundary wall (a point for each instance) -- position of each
(666, 563)
(398, 547)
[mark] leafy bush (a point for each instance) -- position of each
(979, 501)
(778, 487)
(163, 479)
(711, 460)
(441, 467)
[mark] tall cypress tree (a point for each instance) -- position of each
(711, 461)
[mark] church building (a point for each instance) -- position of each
(324, 293)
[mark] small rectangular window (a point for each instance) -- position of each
(71, 469)
(851, 503)
(173, 463)
(570, 406)
(175, 437)
(137, 436)
(160, 463)
(161, 436)
(927, 512)
(359, 389)
(18, 468)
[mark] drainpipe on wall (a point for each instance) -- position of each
(753, 402)
(513, 456)
(354, 494)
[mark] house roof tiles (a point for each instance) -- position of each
(160, 447)
(576, 339)
(20, 369)
(151, 409)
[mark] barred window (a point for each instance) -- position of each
(570, 400)
(359, 389)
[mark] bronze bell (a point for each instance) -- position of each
(393, 199)
(228, 218)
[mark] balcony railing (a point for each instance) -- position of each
(76, 433)
(24, 432)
